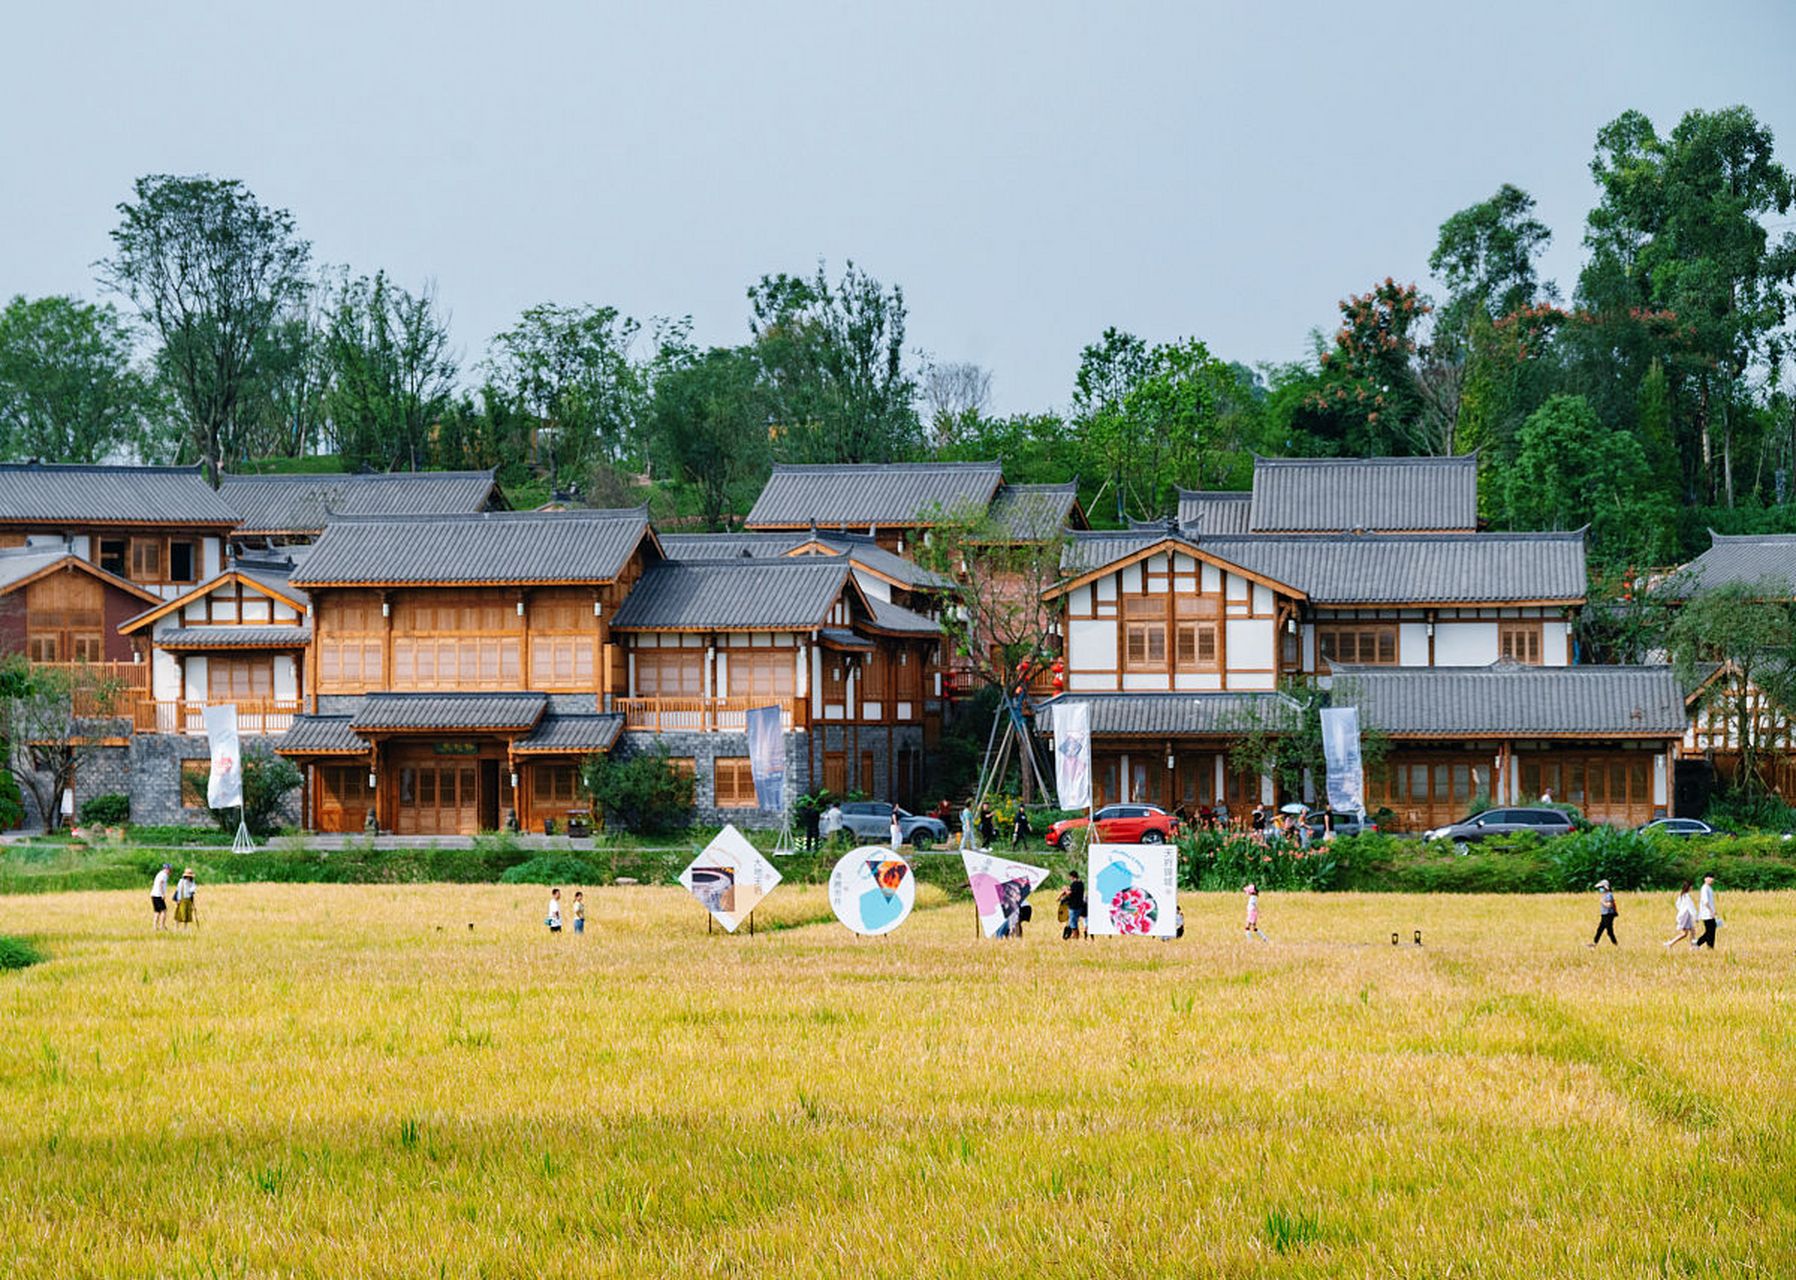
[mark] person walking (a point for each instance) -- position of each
(1705, 914)
(966, 827)
(1019, 830)
(897, 831)
(1605, 920)
(579, 912)
(186, 912)
(159, 900)
(832, 822)
(1686, 918)
(553, 919)
(1073, 899)
(988, 826)
(1252, 928)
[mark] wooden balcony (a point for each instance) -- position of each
(104, 688)
(255, 716)
(701, 715)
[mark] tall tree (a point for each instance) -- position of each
(210, 268)
(955, 394)
(69, 391)
(1749, 629)
(52, 723)
(709, 422)
(1366, 390)
(572, 367)
(1680, 229)
(833, 353)
(1486, 257)
(391, 372)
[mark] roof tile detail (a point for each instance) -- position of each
(1512, 701)
(1339, 495)
(494, 547)
(734, 595)
(400, 712)
(43, 493)
(305, 504)
(859, 494)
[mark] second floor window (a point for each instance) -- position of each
(1144, 632)
(670, 673)
(1519, 642)
(768, 672)
(1369, 644)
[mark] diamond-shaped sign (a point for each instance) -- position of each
(729, 878)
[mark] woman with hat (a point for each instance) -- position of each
(184, 908)
(1605, 922)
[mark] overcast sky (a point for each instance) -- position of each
(1029, 172)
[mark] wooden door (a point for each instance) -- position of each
(341, 797)
(438, 797)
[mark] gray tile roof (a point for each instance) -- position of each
(1444, 568)
(734, 595)
(836, 638)
(304, 504)
(389, 712)
(494, 548)
(278, 580)
(1084, 552)
(40, 493)
(1214, 511)
(1034, 512)
(749, 546)
(892, 617)
(235, 637)
(320, 735)
(1181, 714)
(1748, 559)
(1508, 700)
(575, 733)
(860, 494)
(1337, 495)
(19, 563)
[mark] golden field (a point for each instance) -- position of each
(347, 1081)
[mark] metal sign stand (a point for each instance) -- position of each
(242, 843)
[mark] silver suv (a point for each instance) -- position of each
(1495, 823)
(871, 820)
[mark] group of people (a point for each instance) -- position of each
(553, 919)
(1692, 913)
(186, 912)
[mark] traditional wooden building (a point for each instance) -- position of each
(462, 667)
(275, 511)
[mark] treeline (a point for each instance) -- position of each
(1650, 401)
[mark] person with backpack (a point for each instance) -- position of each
(1073, 899)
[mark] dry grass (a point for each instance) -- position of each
(333, 1081)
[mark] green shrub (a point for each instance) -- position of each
(1626, 859)
(1218, 861)
(268, 779)
(553, 868)
(110, 810)
(17, 953)
(1750, 813)
(641, 793)
(12, 801)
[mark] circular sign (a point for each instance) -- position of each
(872, 890)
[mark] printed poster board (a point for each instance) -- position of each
(872, 890)
(1000, 887)
(1133, 889)
(729, 878)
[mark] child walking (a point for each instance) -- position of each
(554, 918)
(579, 912)
(1252, 928)
(1686, 910)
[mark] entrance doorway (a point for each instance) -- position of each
(489, 795)
(438, 797)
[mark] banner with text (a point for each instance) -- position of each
(767, 755)
(1340, 748)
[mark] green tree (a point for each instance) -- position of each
(391, 375)
(1570, 471)
(268, 779)
(571, 367)
(51, 726)
(1486, 257)
(643, 793)
(709, 425)
(1282, 738)
(833, 356)
(1680, 232)
(1366, 396)
(69, 391)
(211, 269)
(1748, 630)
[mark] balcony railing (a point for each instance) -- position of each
(698, 715)
(104, 688)
(255, 716)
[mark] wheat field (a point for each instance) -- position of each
(349, 1081)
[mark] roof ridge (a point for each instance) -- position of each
(1376, 460)
(359, 476)
(496, 517)
(110, 468)
(820, 467)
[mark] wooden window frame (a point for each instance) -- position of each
(1365, 635)
(729, 776)
(1524, 634)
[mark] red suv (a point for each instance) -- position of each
(1121, 824)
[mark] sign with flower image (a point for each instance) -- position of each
(1134, 889)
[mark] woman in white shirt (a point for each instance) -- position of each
(1686, 917)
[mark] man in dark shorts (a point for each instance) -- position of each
(1073, 898)
(159, 897)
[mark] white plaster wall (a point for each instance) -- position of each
(165, 676)
(1412, 644)
(1090, 682)
(1262, 599)
(1255, 680)
(1463, 644)
(1555, 643)
(286, 677)
(874, 586)
(1251, 642)
(1145, 681)
(1661, 793)
(1091, 644)
(196, 678)
(1079, 600)
(211, 561)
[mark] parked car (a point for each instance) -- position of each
(871, 820)
(1345, 824)
(1504, 822)
(1682, 827)
(1121, 824)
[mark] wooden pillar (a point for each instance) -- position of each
(524, 663)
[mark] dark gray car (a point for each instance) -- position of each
(871, 820)
(1496, 823)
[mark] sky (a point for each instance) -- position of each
(1030, 173)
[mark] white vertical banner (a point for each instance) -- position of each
(1340, 748)
(224, 788)
(1072, 754)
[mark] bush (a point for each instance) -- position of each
(12, 801)
(642, 793)
(111, 810)
(1217, 861)
(267, 781)
(553, 868)
(1626, 859)
(16, 953)
(1742, 813)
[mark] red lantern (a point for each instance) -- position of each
(1059, 682)
(1023, 665)
(1059, 666)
